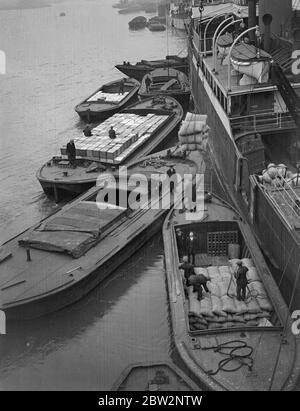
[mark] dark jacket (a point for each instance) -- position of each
(188, 270)
(71, 149)
(112, 134)
(241, 275)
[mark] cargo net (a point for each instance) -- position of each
(220, 309)
(217, 242)
(283, 188)
(194, 133)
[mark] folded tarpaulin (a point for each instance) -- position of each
(72, 231)
(68, 242)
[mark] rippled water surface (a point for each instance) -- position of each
(52, 63)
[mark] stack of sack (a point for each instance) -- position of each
(220, 307)
(277, 176)
(194, 132)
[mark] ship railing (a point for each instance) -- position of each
(262, 121)
(286, 200)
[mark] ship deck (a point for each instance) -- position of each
(221, 78)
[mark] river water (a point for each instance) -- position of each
(52, 62)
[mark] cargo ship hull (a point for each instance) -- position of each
(280, 244)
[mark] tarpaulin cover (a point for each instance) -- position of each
(73, 231)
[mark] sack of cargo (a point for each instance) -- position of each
(228, 305)
(216, 303)
(199, 327)
(228, 324)
(200, 320)
(192, 127)
(250, 317)
(252, 275)
(252, 323)
(235, 318)
(214, 289)
(233, 262)
(265, 304)
(224, 287)
(194, 306)
(248, 262)
(206, 307)
(264, 322)
(253, 307)
(215, 319)
(200, 270)
(241, 307)
(214, 326)
(264, 314)
(196, 117)
(213, 272)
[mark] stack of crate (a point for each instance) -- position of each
(107, 97)
(131, 129)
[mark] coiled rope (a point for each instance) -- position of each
(231, 350)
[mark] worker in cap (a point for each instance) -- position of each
(71, 153)
(188, 270)
(181, 242)
(192, 247)
(198, 282)
(241, 281)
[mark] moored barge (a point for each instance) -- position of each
(108, 100)
(140, 130)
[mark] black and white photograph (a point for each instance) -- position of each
(150, 199)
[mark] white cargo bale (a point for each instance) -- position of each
(241, 307)
(201, 271)
(213, 272)
(247, 262)
(213, 289)
(252, 275)
(272, 171)
(253, 306)
(206, 306)
(192, 127)
(228, 305)
(264, 322)
(217, 306)
(196, 117)
(194, 306)
(265, 304)
(257, 288)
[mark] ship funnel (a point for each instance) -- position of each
(252, 17)
(279, 13)
(267, 20)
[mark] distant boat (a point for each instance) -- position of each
(167, 81)
(140, 69)
(137, 23)
(62, 14)
(154, 376)
(140, 129)
(156, 27)
(107, 100)
(157, 19)
(254, 63)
